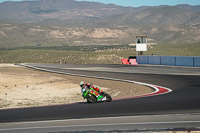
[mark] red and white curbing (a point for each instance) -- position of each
(159, 90)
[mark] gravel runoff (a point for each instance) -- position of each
(25, 87)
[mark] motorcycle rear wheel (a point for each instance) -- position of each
(91, 98)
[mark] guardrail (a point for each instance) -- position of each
(169, 60)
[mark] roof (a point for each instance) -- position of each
(141, 36)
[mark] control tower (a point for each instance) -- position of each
(141, 44)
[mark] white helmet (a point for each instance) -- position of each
(81, 83)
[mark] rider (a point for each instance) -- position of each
(88, 86)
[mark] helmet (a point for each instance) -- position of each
(81, 83)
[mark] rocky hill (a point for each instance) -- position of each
(68, 22)
(163, 15)
(38, 10)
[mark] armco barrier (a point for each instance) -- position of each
(154, 60)
(184, 61)
(196, 61)
(169, 60)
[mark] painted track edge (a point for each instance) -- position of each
(158, 90)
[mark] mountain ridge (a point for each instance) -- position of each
(69, 22)
(60, 9)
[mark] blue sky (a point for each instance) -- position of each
(136, 3)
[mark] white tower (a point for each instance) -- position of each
(141, 44)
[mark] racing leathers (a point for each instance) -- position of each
(88, 86)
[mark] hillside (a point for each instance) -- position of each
(72, 23)
(35, 11)
(163, 15)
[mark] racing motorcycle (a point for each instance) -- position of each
(93, 96)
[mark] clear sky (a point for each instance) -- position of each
(136, 3)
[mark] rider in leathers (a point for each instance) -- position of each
(88, 86)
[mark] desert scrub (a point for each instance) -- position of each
(60, 56)
(175, 49)
(92, 54)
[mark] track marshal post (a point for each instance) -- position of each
(141, 44)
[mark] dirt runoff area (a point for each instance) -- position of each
(25, 87)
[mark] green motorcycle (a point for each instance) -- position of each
(93, 96)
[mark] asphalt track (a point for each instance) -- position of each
(184, 99)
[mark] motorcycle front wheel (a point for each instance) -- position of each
(108, 98)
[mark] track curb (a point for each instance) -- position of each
(159, 90)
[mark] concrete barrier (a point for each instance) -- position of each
(133, 62)
(138, 59)
(168, 60)
(154, 60)
(125, 61)
(184, 61)
(143, 59)
(196, 61)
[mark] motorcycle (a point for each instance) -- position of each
(93, 96)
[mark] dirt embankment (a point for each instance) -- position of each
(24, 87)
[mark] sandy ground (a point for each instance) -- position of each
(25, 87)
(177, 132)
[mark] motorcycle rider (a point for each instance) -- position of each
(88, 86)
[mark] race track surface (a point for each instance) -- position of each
(184, 98)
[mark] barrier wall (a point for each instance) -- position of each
(143, 59)
(169, 60)
(154, 60)
(184, 61)
(196, 61)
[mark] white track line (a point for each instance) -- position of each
(103, 118)
(108, 124)
(105, 78)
